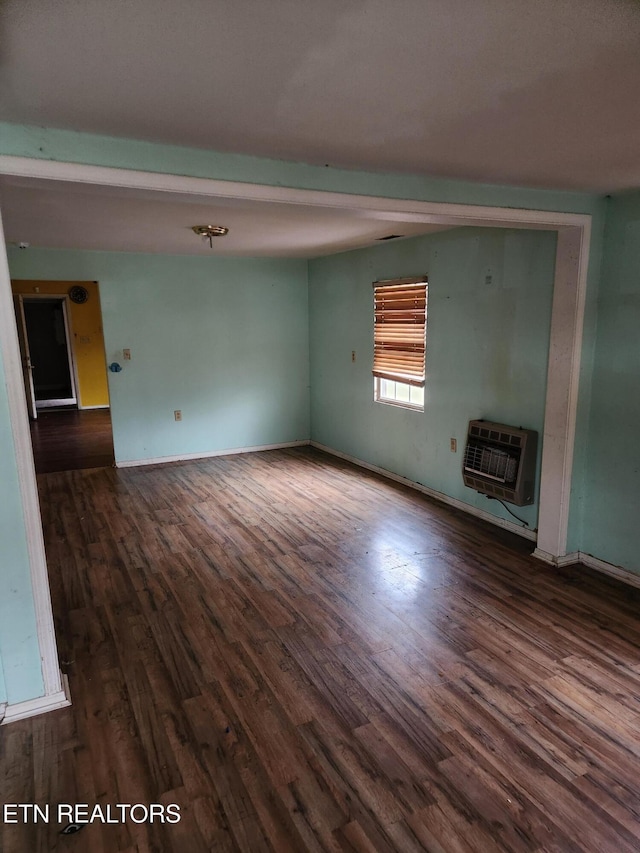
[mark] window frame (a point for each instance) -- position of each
(397, 311)
(389, 401)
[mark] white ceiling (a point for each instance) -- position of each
(542, 93)
(64, 215)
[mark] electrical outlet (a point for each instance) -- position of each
(353, 355)
(178, 414)
(126, 354)
(454, 445)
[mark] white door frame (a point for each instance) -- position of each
(71, 354)
(25, 356)
(572, 258)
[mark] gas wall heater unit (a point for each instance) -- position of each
(500, 461)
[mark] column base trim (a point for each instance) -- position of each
(41, 705)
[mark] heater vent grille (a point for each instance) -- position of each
(500, 461)
(491, 462)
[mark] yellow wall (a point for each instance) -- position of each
(86, 329)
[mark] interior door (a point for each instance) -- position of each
(27, 366)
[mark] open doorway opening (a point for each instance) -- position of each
(64, 371)
(68, 439)
(48, 352)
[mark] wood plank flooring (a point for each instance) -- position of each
(67, 439)
(305, 657)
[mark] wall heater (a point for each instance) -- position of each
(500, 461)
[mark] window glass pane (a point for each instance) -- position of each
(417, 396)
(402, 392)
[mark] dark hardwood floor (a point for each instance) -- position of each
(306, 657)
(67, 439)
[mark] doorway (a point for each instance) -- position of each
(49, 351)
(69, 439)
(65, 376)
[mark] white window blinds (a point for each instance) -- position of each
(399, 332)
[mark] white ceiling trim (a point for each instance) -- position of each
(437, 213)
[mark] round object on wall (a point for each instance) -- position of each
(78, 294)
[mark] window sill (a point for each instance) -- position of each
(397, 405)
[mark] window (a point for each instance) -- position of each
(399, 341)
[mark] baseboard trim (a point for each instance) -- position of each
(188, 457)
(579, 557)
(87, 408)
(568, 559)
(552, 560)
(432, 493)
(617, 572)
(41, 705)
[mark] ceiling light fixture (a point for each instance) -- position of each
(208, 232)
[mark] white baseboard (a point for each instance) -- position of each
(86, 408)
(579, 557)
(187, 457)
(432, 493)
(617, 572)
(552, 560)
(568, 559)
(33, 707)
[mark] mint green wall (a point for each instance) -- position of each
(612, 492)
(72, 147)
(20, 670)
(487, 349)
(3, 687)
(225, 340)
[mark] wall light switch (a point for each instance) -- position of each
(454, 445)
(126, 354)
(353, 355)
(177, 414)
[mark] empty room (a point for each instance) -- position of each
(318, 426)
